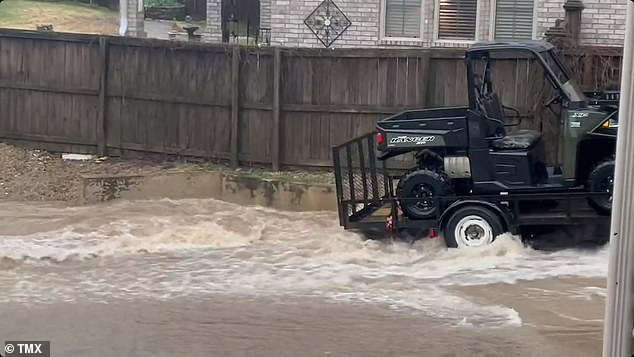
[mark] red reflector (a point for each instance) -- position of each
(432, 233)
(379, 138)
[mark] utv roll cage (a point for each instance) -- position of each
(543, 52)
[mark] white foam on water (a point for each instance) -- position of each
(168, 249)
(129, 235)
(590, 292)
(576, 319)
(442, 305)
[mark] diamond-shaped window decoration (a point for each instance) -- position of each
(327, 22)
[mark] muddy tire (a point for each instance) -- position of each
(472, 226)
(601, 179)
(418, 192)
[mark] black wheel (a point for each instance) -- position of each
(418, 191)
(601, 179)
(472, 226)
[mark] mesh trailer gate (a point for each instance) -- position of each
(362, 182)
(365, 187)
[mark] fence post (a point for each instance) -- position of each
(426, 67)
(102, 136)
(275, 148)
(235, 105)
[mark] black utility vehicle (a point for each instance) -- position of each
(477, 175)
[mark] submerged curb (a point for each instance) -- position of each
(234, 188)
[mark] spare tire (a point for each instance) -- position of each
(418, 192)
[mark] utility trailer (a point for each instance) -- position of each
(367, 203)
(477, 173)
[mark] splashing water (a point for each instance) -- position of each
(169, 249)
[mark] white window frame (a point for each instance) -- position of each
(442, 41)
(493, 13)
(414, 40)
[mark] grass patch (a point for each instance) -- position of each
(302, 177)
(156, 3)
(65, 16)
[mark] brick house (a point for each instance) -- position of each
(424, 23)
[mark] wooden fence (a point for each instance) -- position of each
(278, 107)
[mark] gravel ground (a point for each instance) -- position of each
(37, 175)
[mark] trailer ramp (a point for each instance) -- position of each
(364, 184)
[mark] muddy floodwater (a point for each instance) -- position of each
(208, 278)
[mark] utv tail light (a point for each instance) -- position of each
(379, 138)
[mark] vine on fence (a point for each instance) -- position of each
(593, 67)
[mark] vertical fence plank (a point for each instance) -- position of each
(425, 64)
(101, 117)
(235, 105)
(275, 147)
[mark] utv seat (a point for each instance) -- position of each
(519, 140)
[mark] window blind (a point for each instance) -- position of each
(402, 18)
(514, 19)
(457, 19)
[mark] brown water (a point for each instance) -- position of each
(151, 278)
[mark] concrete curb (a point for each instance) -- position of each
(245, 190)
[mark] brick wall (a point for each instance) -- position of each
(213, 32)
(134, 17)
(288, 28)
(265, 13)
(484, 19)
(602, 22)
(285, 18)
(548, 11)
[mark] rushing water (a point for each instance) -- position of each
(168, 250)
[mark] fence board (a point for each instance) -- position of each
(200, 100)
(103, 76)
(235, 107)
(256, 135)
(275, 115)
